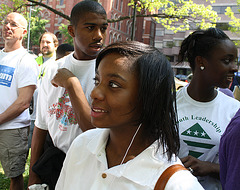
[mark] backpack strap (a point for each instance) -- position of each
(163, 179)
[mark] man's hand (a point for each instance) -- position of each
(200, 168)
(62, 78)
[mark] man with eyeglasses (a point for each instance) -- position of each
(18, 78)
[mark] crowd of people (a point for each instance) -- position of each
(110, 118)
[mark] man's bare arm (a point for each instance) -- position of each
(38, 140)
(22, 102)
(70, 82)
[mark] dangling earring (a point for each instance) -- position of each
(202, 68)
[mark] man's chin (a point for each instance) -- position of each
(46, 54)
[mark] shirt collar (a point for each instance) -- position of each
(151, 164)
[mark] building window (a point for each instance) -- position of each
(60, 20)
(168, 31)
(221, 9)
(158, 44)
(168, 44)
(117, 4)
(152, 29)
(119, 24)
(121, 5)
(114, 38)
(110, 38)
(129, 11)
(119, 38)
(159, 32)
(115, 24)
(178, 43)
(129, 27)
(46, 15)
(170, 58)
(59, 37)
(223, 26)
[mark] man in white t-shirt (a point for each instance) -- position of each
(48, 43)
(18, 78)
(63, 112)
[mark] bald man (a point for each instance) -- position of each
(18, 78)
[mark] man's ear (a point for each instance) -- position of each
(71, 30)
(24, 32)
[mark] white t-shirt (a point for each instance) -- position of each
(54, 109)
(201, 125)
(17, 69)
(86, 166)
(42, 70)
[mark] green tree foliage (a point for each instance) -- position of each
(235, 22)
(16, 6)
(63, 28)
(177, 15)
(37, 26)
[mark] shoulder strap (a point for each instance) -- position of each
(163, 179)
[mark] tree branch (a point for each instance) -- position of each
(144, 15)
(35, 3)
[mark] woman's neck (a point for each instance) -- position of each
(121, 142)
(201, 92)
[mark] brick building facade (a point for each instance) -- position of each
(118, 31)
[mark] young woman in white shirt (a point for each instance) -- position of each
(134, 110)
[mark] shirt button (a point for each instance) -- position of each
(104, 175)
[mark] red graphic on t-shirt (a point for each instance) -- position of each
(63, 111)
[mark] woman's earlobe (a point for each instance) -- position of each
(200, 62)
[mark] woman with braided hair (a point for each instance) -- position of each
(203, 111)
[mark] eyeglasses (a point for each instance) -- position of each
(13, 25)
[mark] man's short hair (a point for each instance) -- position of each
(84, 7)
(55, 40)
(63, 50)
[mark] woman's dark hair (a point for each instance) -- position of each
(157, 94)
(84, 7)
(200, 43)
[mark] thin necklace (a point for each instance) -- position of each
(129, 146)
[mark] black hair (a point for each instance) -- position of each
(84, 7)
(61, 49)
(200, 43)
(131, 49)
(157, 94)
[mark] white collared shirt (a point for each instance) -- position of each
(86, 168)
